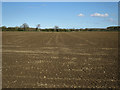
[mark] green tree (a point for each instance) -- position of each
(37, 27)
(56, 28)
(25, 26)
(4, 28)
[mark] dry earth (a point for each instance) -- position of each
(59, 59)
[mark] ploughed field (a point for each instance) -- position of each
(59, 59)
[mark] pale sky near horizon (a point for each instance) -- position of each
(60, 0)
(62, 14)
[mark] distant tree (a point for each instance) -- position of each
(11, 29)
(16, 28)
(4, 28)
(56, 28)
(37, 27)
(25, 26)
(114, 28)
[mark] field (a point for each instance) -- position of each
(60, 59)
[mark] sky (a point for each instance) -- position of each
(62, 14)
(60, 0)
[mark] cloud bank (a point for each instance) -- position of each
(99, 15)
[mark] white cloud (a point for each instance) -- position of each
(80, 15)
(99, 15)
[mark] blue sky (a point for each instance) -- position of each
(60, 0)
(62, 14)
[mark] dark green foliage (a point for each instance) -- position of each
(113, 28)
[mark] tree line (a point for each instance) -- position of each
(25, 27)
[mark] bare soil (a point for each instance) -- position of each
(60, 59)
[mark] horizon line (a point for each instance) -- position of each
(64, 27)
